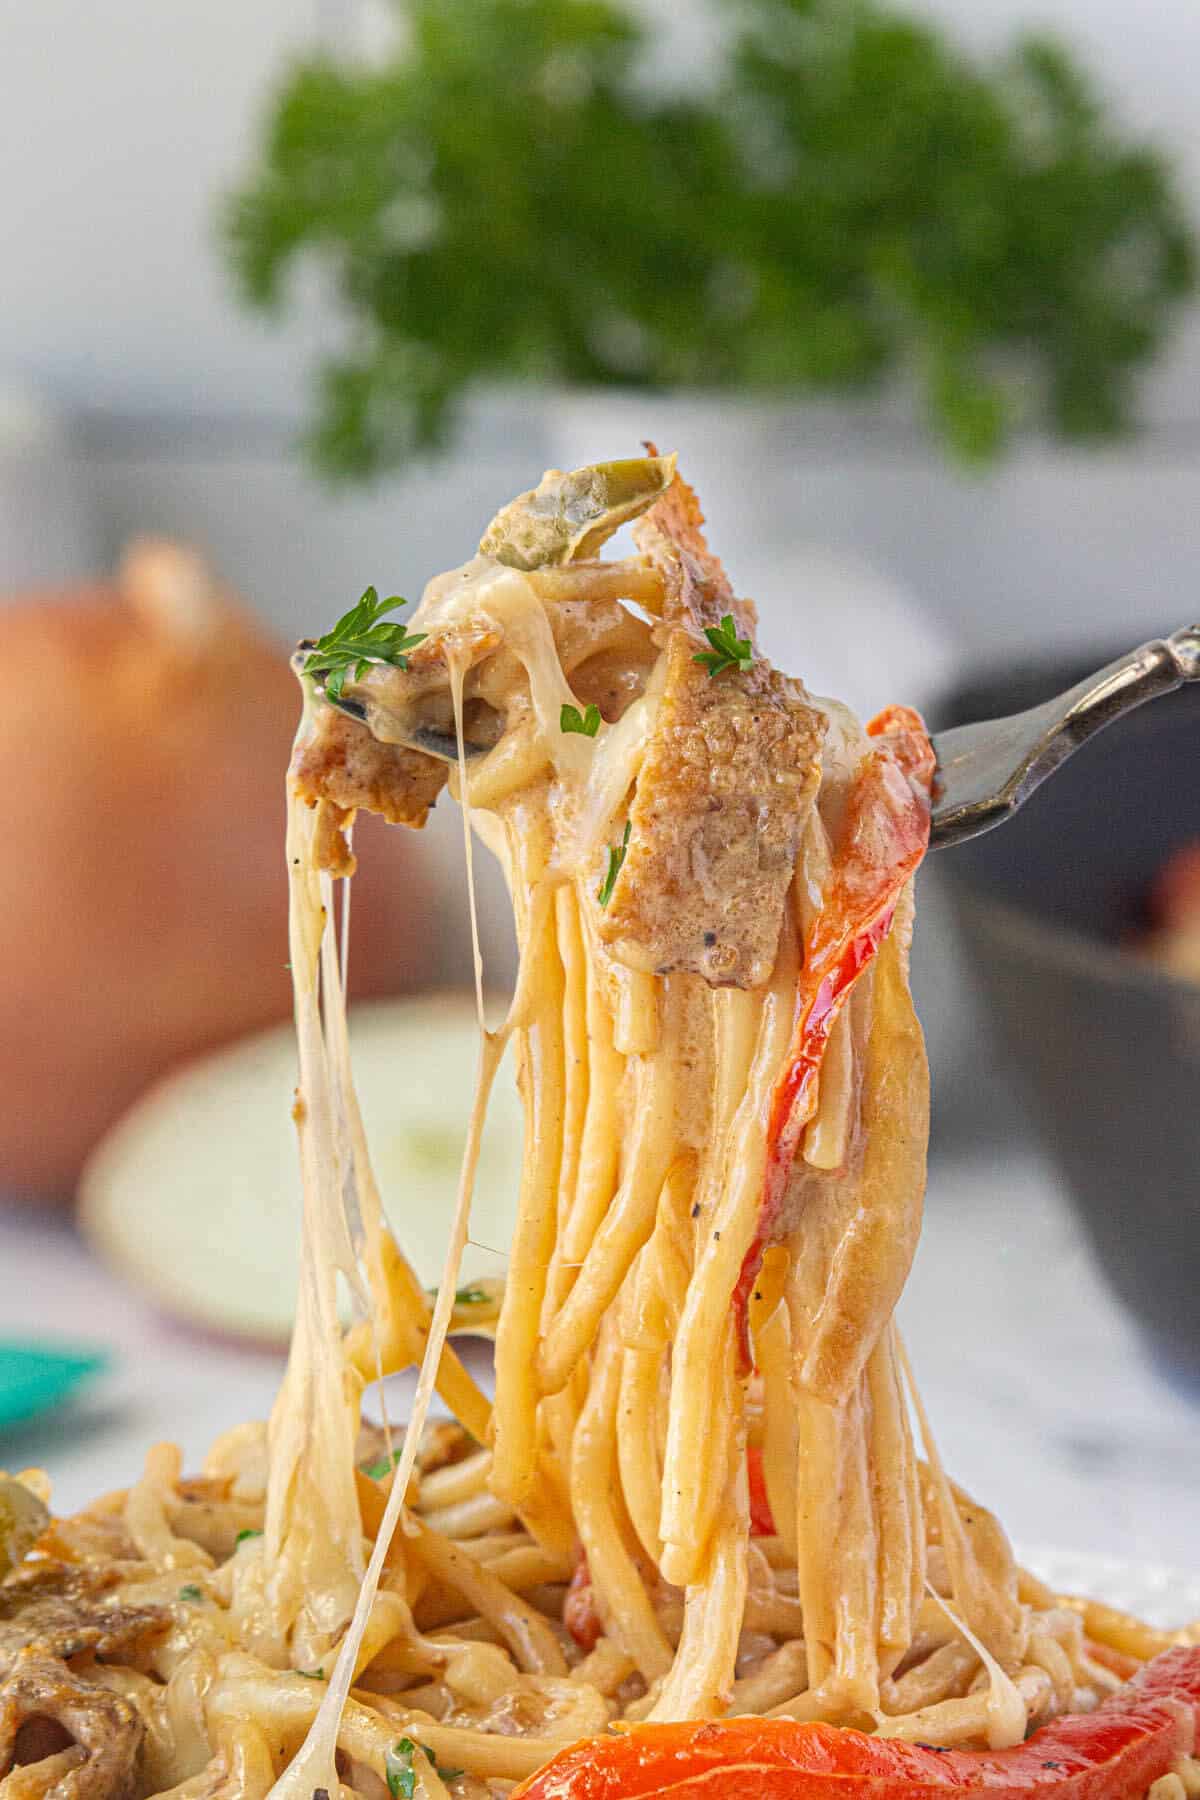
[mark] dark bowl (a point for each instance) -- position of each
(1105, 1045)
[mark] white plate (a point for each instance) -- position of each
(1164, 1597)
(195, 1194)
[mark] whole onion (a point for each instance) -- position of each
(144, 738)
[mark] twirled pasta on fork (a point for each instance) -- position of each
(704, 1525)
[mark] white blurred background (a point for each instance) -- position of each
(120, 121)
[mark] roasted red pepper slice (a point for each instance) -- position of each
(885, 836)
(1113, 1753)
(762, 1522)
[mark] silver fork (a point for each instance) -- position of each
(987, 770)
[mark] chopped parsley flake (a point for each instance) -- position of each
(443, 1774)
(401, 1774)
(616, 857)
(382, 1467)
(398, 1767)
(729, 651)
(586, 724)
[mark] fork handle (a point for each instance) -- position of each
(1184, 647)
(988, 770)
(1156, 668)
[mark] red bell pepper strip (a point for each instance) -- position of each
(1113, 1753)
(908, 741)
(762, 1522)
(885, 837)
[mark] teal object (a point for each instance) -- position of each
(36, 1377)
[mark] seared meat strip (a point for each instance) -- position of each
(725, 788)
(726, 785)
(40, 1695)
(339, 760)
(55, 1610)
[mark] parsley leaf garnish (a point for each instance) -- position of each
(587, 724)
(312, 1674)
(191, 1592)
(616, 857)
(443, 1774)
(382, 1466)
(398, 1767)
(358, 640)
(729, 651)
(248, 1533)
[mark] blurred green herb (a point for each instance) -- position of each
(852, 195)
(466, 1296)
(587, 724)
(381, 1468)
(471, 1296)
(249, 1532)
(191, 1592)
(358, 640)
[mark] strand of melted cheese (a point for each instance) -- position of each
(314, 1766)
(1006, 1715)
(458, 672)
(313, 1540)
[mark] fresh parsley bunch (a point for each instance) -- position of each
(852, 196)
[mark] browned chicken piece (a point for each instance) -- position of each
(726, 785)
(53, 1610)
(44, 1708)
(725, 789)
(340, 761)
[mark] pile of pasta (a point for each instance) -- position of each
(706, 1487)
(466, 1657)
